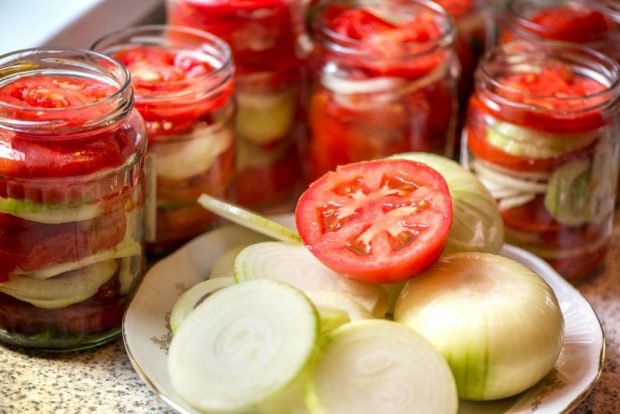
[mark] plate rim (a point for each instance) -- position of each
(162, 394)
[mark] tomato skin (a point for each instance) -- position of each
(394, 252)
(32, 246)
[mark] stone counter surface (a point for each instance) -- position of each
(103, 380)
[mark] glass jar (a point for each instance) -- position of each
(542, 135)
(71, 198)
(591, 23)
(384, 77)
(475, 28)
(183, 84)
(263, 38)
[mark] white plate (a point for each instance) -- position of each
(147, 335)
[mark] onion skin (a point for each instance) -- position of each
(497, 323)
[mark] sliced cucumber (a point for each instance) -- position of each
(191, 298)
(294, 264)
(567, 199)
(249, 219)
(336, 309)
(64, 290)
(378, 366)
(178, 159)
(49, 213)
(265, 117)
(243, 347)
(531, 143)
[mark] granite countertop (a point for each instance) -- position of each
(103, 380)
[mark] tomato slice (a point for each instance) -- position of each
(456, 8)
(569, 23)
(389, 40)
(378, 221)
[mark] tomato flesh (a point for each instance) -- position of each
(377, 221)
(571, 24)
(388, 41)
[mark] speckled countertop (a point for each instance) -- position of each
(103, 380)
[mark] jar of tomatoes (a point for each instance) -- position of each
(72, 192)
(384, 77)
(263, 37)
(592, 23)
(542, 135)
(183, 83)
(475, 28)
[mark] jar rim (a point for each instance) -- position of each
(340, 44)
(515, 11)
(535, 53)
(154, 35)
(22, 68)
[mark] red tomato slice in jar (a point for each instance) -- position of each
(556, 100)
(389, 40)
(157, 72)
(376, 221)
(571, 24)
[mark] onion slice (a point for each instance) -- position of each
(378, 366)
(294, 264)
(243, 347)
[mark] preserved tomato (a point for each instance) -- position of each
(71, 198)
(595, 24)
(268, 64)
(384, 81)
(543, 139)
(183, 86)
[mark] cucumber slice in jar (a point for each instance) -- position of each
(49, 213)
(378, 366)
(243, 347)
(191, 298)
(532, 143)
(63, 290)
(264, 117)
(249, 219)
(294, 264)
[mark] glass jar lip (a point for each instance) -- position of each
(126, 36)
(346, 46)
(513, 9)
(540, 48)
(123, 85)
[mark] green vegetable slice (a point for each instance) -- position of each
(582, 190)
(249, 219)
(294, 264)
(378, 366)
(476, 224)
(244, 346)
(49, 213)
(532, 143)
(497, 323)
(64, 290)
(192, 297)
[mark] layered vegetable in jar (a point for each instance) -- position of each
(542, 135)
(72, 193)
(592, 23)
(262, 36)
(183, 81)
(384, 77)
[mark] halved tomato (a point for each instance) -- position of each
(378, 221)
